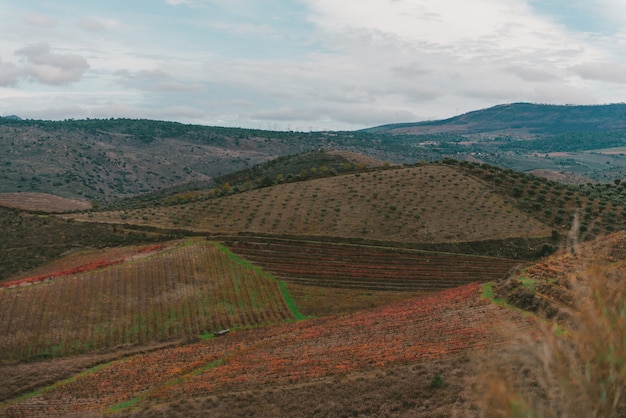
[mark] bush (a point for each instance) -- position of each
(436, 382)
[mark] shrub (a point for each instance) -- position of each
(436, 382)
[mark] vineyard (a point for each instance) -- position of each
(425, 204)
(168, 293)
(449, 322)
(375, 268)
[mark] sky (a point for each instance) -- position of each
(305, 65)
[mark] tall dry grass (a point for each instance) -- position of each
(575, 368)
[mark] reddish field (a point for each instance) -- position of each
(350, 266)
(103, 259)
(179, 292)
(408, 332)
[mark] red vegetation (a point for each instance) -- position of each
(324, 264)
(414, 330)
(83, 268)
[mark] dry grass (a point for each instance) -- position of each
(324, 301)
(42, 202)
(574, 368)
(432, 203)
(394, 392)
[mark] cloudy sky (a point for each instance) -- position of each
(305, 64)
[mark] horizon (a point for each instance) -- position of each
(311, 131)
(309, 65)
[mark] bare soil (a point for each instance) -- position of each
(42, 202)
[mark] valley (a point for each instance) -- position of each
(318, 274)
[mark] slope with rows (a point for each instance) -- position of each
(180, 292)
(408, 332)
(431, 203)
(376, 268)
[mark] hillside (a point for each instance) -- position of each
(450, 202)
(423, 204)
(42, 202)
(349, 278)
(520, 120)
(29, 240)
(297, 167)
(101, 159)
(425, 356)
(152, 294)
(288, 358)
(104, 160)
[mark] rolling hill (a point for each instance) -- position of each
(349, 286)
(425, 356)
(520, 120)
(414, 204)
(103, 160)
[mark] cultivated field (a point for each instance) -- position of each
(367, 267)
(42, 202)
(432, 203)
(402, 333)
(178, 292)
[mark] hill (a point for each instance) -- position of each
(425, 356)
(520, 120)
(283, 363)
(152, 294)
(42, 202)
(29, 240)
(101, 159)
(104, 160)
(350, 286)
(288, 168)
(423, 204)
(449, 202)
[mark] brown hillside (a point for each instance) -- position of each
(554, 286)
(357, 158)
(42, 202)
(576, 365)
(432, 203)
(294, 355)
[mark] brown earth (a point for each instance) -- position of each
(379, 362)
(42, 202)
(426, 204)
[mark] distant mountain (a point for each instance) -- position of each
(520, 120)
(104, 160)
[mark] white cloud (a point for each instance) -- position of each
(528, 73)
(602, 71)
(324, 63)
(40, 20)
(49, 68)
(9, 73)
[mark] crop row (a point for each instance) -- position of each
(413, 330)
(94, 265)
(337, 265)
(183, 292)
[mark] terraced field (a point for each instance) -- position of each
(415, 330)
(376, 268)
(177, 292)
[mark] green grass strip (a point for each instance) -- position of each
(129, 404)
(125, 405)
(291, 304)
(488, 293)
